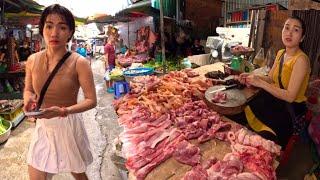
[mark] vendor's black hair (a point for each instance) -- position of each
(303, 25)
(197, 39)
(63, 12)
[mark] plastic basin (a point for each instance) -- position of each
(5, 135)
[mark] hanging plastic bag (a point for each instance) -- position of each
(270, 57)
(106, 76)
(259, 60)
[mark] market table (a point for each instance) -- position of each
(11, 75)
(172, 169)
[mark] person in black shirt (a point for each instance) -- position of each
(24, 51)
(196, 48)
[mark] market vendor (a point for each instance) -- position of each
(110, 59)
(24, 52)
(282, 98)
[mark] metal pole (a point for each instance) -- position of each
(128, 35)
(177, 10)
(162, 39)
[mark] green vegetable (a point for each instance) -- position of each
(2, 127)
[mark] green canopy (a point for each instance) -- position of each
(141, 8)
(16, 6)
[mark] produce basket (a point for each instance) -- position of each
(141, 71)
(5, 135)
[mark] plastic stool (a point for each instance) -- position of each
(118, 86)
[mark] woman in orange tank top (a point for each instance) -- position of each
(59, 143)
(282, 97)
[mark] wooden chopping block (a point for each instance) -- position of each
(235, 102)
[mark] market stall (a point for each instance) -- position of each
(170, 132)
(11, 110)
(15, 34)
(140, 52)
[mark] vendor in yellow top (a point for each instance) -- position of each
(282, 97)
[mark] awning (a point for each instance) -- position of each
(101, 18)
(139, 9)
(21, 14)
(16, 6)
(22, 18)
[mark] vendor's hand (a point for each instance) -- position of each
(254, 80)
(31, 104)
(242, 77)
(51, 112)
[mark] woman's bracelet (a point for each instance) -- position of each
(65, 112)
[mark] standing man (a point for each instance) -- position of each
(110, 60)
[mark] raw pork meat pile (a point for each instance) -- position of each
(161, 95)
(127, 60)
(219, 97)
(235, 166)
(160, 115)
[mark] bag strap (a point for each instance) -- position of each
(51, 76)
(280, 70)
(289, 106)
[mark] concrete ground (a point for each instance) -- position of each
(102, 128)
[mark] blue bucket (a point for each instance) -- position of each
(141, 71)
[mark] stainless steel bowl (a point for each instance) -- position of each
(5, 136)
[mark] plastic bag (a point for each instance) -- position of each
(106, 76)
(269, 59)
(259, 59)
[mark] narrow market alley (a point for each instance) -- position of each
(101, 126)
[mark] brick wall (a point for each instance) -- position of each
(204, 14)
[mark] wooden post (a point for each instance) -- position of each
(177, 10)
(162, 39)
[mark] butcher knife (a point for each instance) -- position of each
(223, 88)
